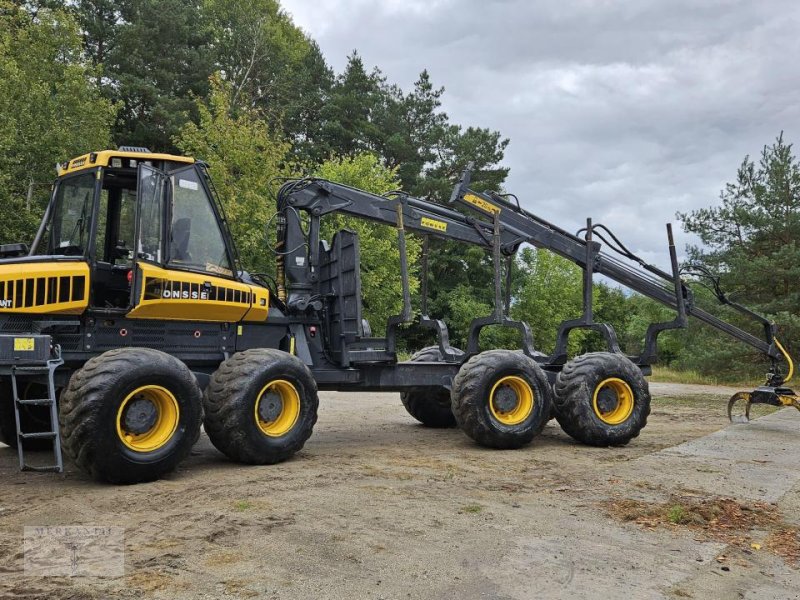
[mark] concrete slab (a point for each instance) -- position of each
(582, 558)
(751, 461)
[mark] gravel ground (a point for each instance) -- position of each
(376, 506)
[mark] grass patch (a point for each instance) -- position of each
(242, 505)
(471, 509)
(677, 515)
(663, 374)
(707, 404)
(700, 402)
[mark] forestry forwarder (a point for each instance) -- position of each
(130, 303)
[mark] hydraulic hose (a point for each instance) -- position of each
(788, 360)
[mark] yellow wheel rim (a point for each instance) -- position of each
(277, 408)
(613, 401)
(511, 400)
(147, 418)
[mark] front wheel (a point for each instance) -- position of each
(602, 399)
(130, 415)
(501, 399)
(260, 406)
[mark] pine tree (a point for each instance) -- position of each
(751, 239)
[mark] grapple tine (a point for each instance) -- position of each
(792, 400)
(745, 397)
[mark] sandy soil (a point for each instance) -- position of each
(376, 506)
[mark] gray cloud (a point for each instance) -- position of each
(625, 111)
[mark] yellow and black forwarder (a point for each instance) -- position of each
(128, 322)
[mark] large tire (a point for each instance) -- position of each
(430, 406)
(602, 399)
(34, 419)
(260, 406)
(501, 399)
(130, 415)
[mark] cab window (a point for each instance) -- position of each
(115, 220)
(152, 187)
(195, 240)
(67, 232)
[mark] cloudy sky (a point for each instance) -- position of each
(623, 110)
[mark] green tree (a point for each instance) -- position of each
(408, 131)
(158, 65)
(51, 109)
(751, 239)
(380, 259)
(348, 115)
(641, 312)
(245, 158)
(271, 65)
(549, 290)
(100, 23)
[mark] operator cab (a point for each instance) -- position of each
(114, 209)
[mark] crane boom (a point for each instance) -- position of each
(493, 222)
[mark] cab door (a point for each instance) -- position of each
(184, 268)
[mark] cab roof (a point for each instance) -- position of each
(103, 159)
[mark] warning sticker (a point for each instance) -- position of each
(433, 224)
(23, 344)
(481, 204)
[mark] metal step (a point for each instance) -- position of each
(31, 370)
(38, 435)
(35, 402)
(49, 367)
(43, 468)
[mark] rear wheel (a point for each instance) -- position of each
(130, 415)
(602, 399)
(260, 406)
(430, 406)
(501, 399)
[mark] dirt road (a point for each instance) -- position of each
(377, 506)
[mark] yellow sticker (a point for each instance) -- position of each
(23, 344)
(433, 224)
(239, 330)
(482, 204)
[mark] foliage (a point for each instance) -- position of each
(245, 157)
(271, 65)
(549, 292)
(160, 62)
(100, 24)
(751, 240)
(156, 57)
(50, 106)
(380, 258)
(408, 131)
